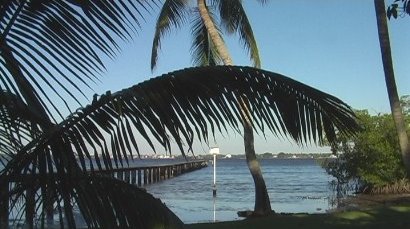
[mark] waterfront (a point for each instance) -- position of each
(294, 185)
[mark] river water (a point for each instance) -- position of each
(294, 185)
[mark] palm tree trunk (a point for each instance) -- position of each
(213, 33)
(262, 202)
(391, 83)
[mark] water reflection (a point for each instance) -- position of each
(214, 200)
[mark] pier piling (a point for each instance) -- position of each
(4, 207)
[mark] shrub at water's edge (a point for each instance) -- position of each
(371, 159)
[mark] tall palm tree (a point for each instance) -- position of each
(395, 106)
(210, 49)
(229, 8)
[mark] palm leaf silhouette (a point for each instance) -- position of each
(51, 48)
(179, 106)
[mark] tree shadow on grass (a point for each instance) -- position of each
(375, 218)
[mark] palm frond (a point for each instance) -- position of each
(18, 125)
(183, 104)
(263, 1)
(180, 105)
(203, 50)
(131, 207)
(234, 19)
(103, 202)
(58, 44)
(173, 15)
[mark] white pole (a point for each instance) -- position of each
(214, 151)
(214, 169)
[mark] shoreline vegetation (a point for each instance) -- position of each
(362, 211)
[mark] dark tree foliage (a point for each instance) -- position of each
(371, 157)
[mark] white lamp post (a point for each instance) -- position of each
(214, 151)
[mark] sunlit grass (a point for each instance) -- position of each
(400, 208)
(354, 215)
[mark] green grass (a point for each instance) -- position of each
(397, 216)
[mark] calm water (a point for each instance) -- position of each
(294, 185)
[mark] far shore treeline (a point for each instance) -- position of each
(266, 155)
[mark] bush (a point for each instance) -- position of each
(372, 157)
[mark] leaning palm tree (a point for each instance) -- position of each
(178, 106)
(208, 48)
(395, 106)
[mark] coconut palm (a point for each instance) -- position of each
(395, 106)
(209, 48)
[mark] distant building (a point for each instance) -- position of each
(166, 157)
(228, 156)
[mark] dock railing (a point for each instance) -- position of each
(144, 175)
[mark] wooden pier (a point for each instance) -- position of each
(139, 176)
(144, 175)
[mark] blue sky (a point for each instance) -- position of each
(330, 45)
